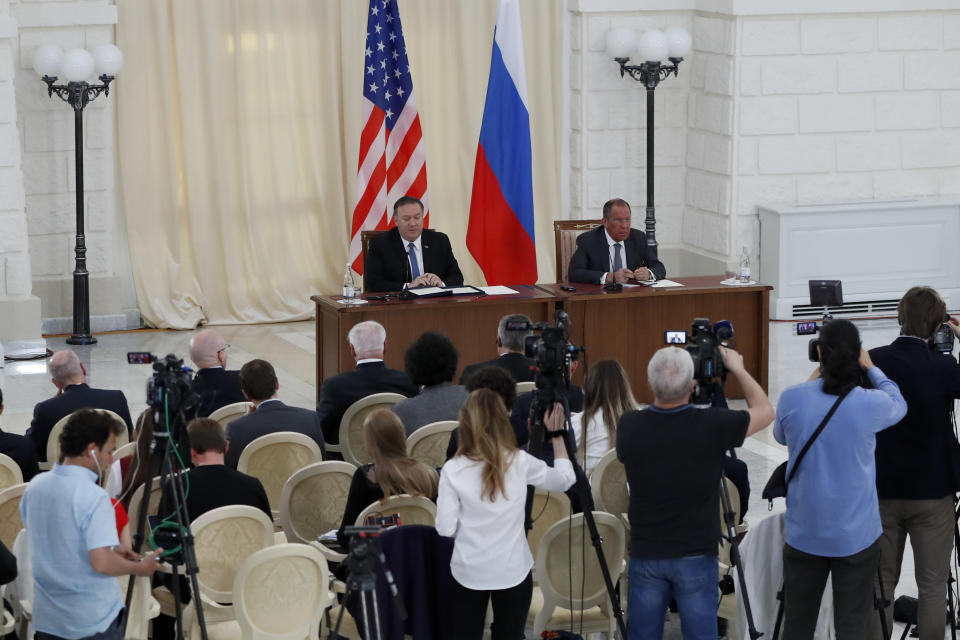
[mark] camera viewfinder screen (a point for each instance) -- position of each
(806, 328)
(138, 357)
(675, 337)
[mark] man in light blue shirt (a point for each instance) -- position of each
(72, 533)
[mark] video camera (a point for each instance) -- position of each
(702, 345)
(942, 340)
(168, 394)
(553, 354)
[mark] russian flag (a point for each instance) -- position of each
(500, 234)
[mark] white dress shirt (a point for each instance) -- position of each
(490, 550)
(598, 441)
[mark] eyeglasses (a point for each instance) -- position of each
(223, 348)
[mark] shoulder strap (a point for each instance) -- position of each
(826, 418)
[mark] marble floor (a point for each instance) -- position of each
(291, 348)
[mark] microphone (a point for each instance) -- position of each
(407, 274)
(723, 329)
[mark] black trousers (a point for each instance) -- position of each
(510, 608)
(804, 577)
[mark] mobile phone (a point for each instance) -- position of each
(139, 357)
(675, 337)
(567, 287)
(806, 328)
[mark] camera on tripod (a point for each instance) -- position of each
(701, 344)
(553, 354)
(168, 393)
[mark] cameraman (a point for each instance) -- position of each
(916, 458)
(675, 526)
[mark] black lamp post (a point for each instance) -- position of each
(77, 65)
(653, 46)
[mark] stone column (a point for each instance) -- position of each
(19, 309)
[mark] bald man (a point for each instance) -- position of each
(69, 376)
(216, 386)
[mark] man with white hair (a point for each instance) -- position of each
(509, 351)
(368, 343)
(216, 386)
(69, 376)
(673, 454)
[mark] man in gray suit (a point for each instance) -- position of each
(260, 386)
(431, 362)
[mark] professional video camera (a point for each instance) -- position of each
(553, 354)
(702, 345)
(168, 394)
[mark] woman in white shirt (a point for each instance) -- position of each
(606, 397)
(483, 489)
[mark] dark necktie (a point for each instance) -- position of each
(414, 267)
(617, 260)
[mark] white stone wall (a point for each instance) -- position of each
(46, 128)
(608, 118)
(822, 106)
(849, 107)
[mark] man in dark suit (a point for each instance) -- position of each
(614, 252)
(216, 386)
(510, 351)
(368, 342)
(213, 484)
(20, 449)
(269, 415)
(408, 255)
(918, 458)
(70, 378)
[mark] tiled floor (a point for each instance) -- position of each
(291, 348)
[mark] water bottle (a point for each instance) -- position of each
(744, 265)
(349, 286)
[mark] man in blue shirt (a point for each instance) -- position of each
(72, 533)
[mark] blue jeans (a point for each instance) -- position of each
(691, 581)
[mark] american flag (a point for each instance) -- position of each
(392, 159)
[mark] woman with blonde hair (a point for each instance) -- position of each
(392, 472)
(606, 397)
(483, 489)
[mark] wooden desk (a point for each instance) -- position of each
(629, 325)
(469, 321)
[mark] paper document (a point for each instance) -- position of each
(328, 536)
(498, 290)
(459, 291)
(426, 291)
(661, 284)
(354, 302)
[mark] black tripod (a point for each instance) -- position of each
(582, 489)
(362, 580)
(162, 453)
(729, 520)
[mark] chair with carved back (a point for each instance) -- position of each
(228, 413)
(365, 237)
(352, 445)
(53, 440)
(313, 501)
(275, 457)
(10, 521)
(565, 234)
(428, 444)
(223, 539)
(411, 509)
(10, 472)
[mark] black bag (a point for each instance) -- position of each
(905, 610)
(776, 486)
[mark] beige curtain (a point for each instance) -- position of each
(238, 134)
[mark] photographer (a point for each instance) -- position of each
(481, 501)
(832, 524)
(916, 459)
(675, 525)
